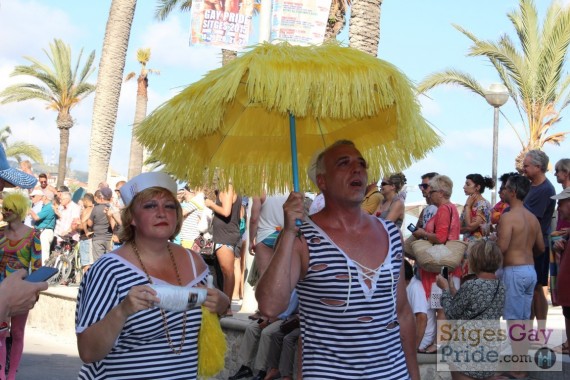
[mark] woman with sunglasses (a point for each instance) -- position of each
(20, 248)
(477, 210)
(392, 207)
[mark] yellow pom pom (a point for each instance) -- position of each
(211, 345)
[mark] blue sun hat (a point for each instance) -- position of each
(14, 176)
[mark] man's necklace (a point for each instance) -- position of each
(176, 351)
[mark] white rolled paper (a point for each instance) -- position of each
(178, 298)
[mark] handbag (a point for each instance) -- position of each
(432, 257)
(408, 246)
(290, 324)
(205, 247)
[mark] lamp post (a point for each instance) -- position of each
(496, 95)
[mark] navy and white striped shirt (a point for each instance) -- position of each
(358, 338)
(141, 350)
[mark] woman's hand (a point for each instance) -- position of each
(471, 200)
(420, 233)
(216, 301)
(442, 282)
(209, 203)
(559, 245)
(139, 298)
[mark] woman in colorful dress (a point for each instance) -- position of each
(121, 333)
(477, 210)
(20, 248)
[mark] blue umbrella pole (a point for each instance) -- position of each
(294, 161)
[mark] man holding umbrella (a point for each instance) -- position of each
(347, 268)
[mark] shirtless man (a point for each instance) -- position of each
(332, 260)
(520, 239)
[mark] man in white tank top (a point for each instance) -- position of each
(360, 257)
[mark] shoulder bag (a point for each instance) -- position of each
(432, 257)
(205, 247)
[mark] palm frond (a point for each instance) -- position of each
(165, 8)
(451, 76)
(553, 55)
(532, 68)
(22, 148)
(525, 22)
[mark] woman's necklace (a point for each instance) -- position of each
(176, 351)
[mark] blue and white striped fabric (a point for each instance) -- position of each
(357, 339)
(141, 350)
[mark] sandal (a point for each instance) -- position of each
(255, 316)
(431, 349)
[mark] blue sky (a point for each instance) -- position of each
(416, 36)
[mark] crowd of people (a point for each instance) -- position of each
(359, 304)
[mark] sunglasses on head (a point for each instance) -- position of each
(423, 186)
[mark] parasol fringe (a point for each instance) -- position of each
(306, 86)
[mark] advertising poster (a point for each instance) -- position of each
(226, 24)
(300, 22)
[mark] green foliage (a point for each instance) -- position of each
(532, 68)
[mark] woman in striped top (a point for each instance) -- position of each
(346, 265)
(120, 332)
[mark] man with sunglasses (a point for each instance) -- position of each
(429, 211)
(520, 239)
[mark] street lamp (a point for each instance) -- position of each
(496, 95)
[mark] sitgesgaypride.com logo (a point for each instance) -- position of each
(496, 346)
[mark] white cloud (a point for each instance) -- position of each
(430, 108)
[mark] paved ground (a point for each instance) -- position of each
(49, 357)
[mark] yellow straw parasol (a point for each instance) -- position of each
(244, 118)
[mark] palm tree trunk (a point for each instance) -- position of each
(364, 32)
(109, 82)
(336, 20)
(228, 56)
(136, 155)
(64, 123)
(63, 147)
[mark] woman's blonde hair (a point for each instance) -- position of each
(442, 183)
(18, 203)
(127, 232)
(485, 256)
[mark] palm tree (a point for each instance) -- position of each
(532, 72)
(60, 85)
(337, 20)
(18, 149)
(136, 155)
(364, 31)
(109, 80)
